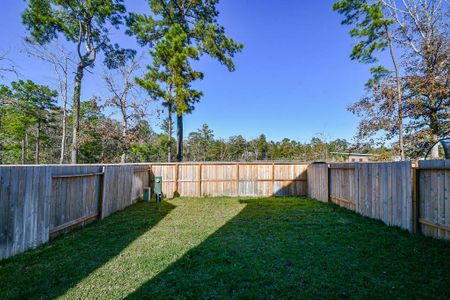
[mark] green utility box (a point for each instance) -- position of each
(158, 188)
(147, 194)
(158, 185)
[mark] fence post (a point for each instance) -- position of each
(237, 179)
(328, 183)
(150, 175)
(415, 196)
(101, 194)
(273, 179)
(356, 183)
(199, 176)
(175, 192)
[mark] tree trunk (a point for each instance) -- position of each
(64, 120)
(23, 151)
(399, 95)
(435, 149)
(123, 158)
(434, 127)
(169, 129)
(76, 113)
(38, 133)
(1, 140)
(26, 147)
(63, 137)
(179, 138)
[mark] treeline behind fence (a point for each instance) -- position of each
(39, 202)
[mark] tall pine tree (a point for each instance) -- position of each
(198, 21)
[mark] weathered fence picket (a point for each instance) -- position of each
(318, 181)
(24, 208)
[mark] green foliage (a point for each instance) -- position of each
(178, 31)
(378, 74)
(27, 112)
(198, 19)
(171, 75)
(85, 23)
(369, 27)
(370, 31)
(81, 22)
(201, 145)
(35, 102)
(92, 144)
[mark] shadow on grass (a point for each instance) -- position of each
(52, 269)
(299, 248)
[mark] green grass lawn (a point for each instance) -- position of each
(232, 248)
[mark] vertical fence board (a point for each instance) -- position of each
(318, 182)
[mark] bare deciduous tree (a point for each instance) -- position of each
(411, 102)
(126, 99)
(422, 29)
(62, 62)
(6, 65)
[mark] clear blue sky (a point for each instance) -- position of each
(293, 79)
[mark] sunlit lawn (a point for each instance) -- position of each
(232, 248)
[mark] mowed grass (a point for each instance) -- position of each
(220, 248)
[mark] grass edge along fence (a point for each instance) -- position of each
(412, 195)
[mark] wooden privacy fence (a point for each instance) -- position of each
(232, 179)
(415, 197)
(37, 202)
